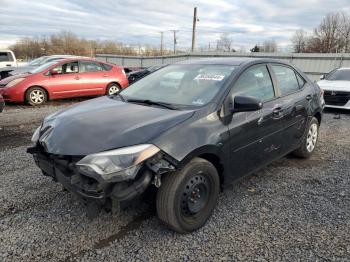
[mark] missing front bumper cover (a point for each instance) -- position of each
(97, 193)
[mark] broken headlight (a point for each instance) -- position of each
(118, 164)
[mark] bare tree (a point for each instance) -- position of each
(344, 31)
(327, 32)
(299, 41)
(66, 42)
(224, 43)
(269, 46)
(331, 36)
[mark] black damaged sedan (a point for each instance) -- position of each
(186, 131)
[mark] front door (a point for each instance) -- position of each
(255, 137)
(66, 83)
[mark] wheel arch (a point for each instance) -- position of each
(113, 82)
(209, 153)
(318, 116)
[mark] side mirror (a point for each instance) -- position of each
(54, 72)
(246, 103)
(322, 77)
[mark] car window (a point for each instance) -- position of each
(5, 57)
(67, 68)
(255, 82)
(339, 75)
(90, 66)
(301, 80)
(106, 67)
(286, 79)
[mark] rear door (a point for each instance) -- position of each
(255, 137)
(94, 79)
(295, 95)
(67, 82)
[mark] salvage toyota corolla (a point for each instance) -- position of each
(186, 130)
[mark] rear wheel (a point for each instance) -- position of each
(187, 198)
(113, 89)
(36, 96)
(309, 141)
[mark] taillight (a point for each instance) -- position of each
(123, 72)
(321, 92)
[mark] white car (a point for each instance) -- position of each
(336, 86)
(7, 59)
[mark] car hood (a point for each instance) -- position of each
(7, 80)
(334, 85)
(105, 123)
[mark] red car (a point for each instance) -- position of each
(2, 103)
(64, 79)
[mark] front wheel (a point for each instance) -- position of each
(309, 140)
(36, 96)
(187, 198)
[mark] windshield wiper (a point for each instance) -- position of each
(151, 102)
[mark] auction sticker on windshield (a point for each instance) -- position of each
(209, 77)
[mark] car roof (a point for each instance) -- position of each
(235, 61)
(80, 58)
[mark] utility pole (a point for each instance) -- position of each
(175, 40)
(161, 42)
(194, 28)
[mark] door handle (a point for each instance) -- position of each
(77, 78)
(308, 97)
(105, 75)
(277, 112)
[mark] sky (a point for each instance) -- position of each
(134, 22)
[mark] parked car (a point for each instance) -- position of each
(64, 79)
(225, 119)
(137, 75)
(336, 86)
(38, 62)
(8, 62)
(2, 103)
(7, 59)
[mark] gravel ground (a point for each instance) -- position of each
(291, 210)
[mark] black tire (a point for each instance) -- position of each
(36, 96)
(112, 89)
(176, 196)
(303, 151)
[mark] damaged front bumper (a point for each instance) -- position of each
(94, 191)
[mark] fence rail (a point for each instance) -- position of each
(313, 65)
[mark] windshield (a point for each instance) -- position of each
(188, 85)
(340, 75)
(42, 67)
(38, 61)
